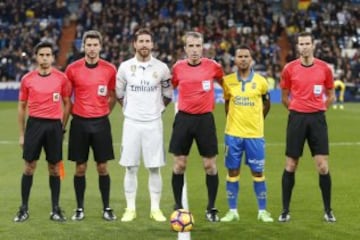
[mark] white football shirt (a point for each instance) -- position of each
(143, 85)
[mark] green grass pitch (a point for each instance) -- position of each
(306, 208)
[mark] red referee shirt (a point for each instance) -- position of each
(91, 87)
(195, 85)
(307, 85)
(44, 93)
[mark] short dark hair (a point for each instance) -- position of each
(44, 44)
(304, 34)
(142, 31)
(92, 34)
(244, 47)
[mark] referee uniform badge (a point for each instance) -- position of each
(56, 97)
(206, 84)
(102, 90)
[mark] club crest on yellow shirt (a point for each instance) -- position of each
(253, 85)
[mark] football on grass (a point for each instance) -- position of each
(181, 220)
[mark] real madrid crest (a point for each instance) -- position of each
(155, 75)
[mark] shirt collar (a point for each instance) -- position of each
(144, 64)
(248, 79)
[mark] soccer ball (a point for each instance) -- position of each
(181, 220)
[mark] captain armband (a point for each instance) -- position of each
(165, 83)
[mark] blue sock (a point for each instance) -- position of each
(232, 189)
(260, 191)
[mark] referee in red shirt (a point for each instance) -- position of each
(307, 91)
(194, 78)
(45, 94)
(93, 82)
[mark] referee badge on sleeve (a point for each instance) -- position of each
(56, 97)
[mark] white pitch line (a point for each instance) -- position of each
(185, 203)
(184, 235)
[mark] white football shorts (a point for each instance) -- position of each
(142, 139)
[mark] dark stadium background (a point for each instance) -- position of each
(268, 27)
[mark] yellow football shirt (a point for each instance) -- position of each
(245, 118)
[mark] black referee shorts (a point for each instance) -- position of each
(311, 127)
(45, 133)
(188, 127)
(90, 132)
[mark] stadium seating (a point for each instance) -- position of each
(266, 26)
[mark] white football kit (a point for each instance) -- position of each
(142, 85)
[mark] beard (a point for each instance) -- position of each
(144, 52)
